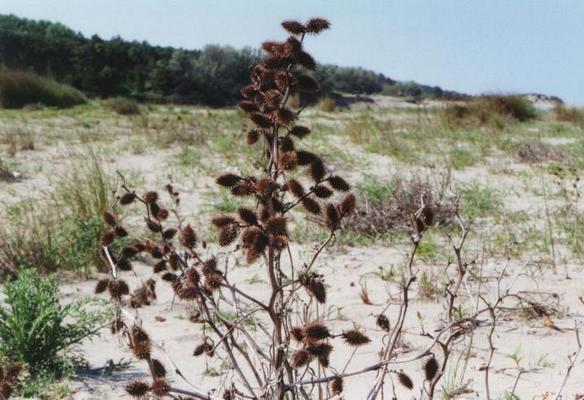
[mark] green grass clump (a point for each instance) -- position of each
(124, 106)
(18, 89)
(479, 202)
(569, 114)
(39, 331)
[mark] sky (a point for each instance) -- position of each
(473, 46)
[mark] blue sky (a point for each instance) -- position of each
(468, 45)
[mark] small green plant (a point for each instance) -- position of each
(477, 201)
(37, 330)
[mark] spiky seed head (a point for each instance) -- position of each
(297, 333)
(127, 198)
(228, 234)
(213, 282)
(293, 27)
(222, 220)
(286, 144)
(405, 380)
(169, 277)
(322, 351)
(355, 338)
(109, 218)
(336, 385)
(200, 349)
(242, 189)
(210, 266)
(159, 266)
(348, 204)
(272, 47)
(101, 286)
(322, 191)
(158, 368)
(383, 322)
(430, 368)
(188, 237)
(108, 237)
(311, 205)
(151, 197)
(284, 117)
(130, 251)
(141, 345)
(317, 25)
(317, 170)
(261, 120)
(300, 131)
(117, 325)
(13, 371)
(295, 188)
(252, 136)
(338, 183)
(305, 157)
(120, 231)
(306, 84)
(305, 60)
(316, 331)
(287, 160)
(248, 91)
(192, 276)
(117, 288)
(160, 387)
(332, 217)
(228, 180)
(6, 389)
(276, 226)
(169, 233)
(248, 216)
(248, 106)
(137, 388)
(317, 289)
(152, 225)
(301, 358)
(161, 214)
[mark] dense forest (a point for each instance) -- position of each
(116, 67)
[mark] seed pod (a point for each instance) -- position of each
(339, 183)
(117, 288)
(305, 60)
(332, 217)
(405, 380)
(317, 25)
(109, 218)
(169, 233)
(161, 214)
(305, 157)
(261, 120)
(317, 170)
(252, 136)
(228, 180)
(287, 160)
(188, 237)
(316, 331)
(336, 385)
(383, 322)
(348, 204)
(300, 131)
(311, 205)
(248, 106)
(101, 286)
(295, 188)
(286, 144)
(137, 388)
(301, 358)
(159, 266)
(355, 338)
(298, 333)
(127, 198)
(152, 225)
(160, 388)
(242, 189)
(141, 346)
(221, 221)
(108, 237)
(322, 191)
(293, 27)
(130, 251)
(121, 232)
(228, 234)
(276, 226)
(169, 277)
(158, 368)
(151, 197)
(322, 351)
(248, 216)
(430, 368)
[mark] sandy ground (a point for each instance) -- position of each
(543, 349)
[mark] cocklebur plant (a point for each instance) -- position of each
(296, 344)
(288, 353)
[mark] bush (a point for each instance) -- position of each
(489, 109)
(62, 233)
(19, 89)
(124, 106)
(39, 331)
(569, 114)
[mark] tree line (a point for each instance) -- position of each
(116, 67)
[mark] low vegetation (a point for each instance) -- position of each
(19, 89)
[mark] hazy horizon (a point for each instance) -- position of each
(485, 46)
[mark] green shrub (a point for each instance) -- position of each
(569, 114)
(39, 331)
(19, 89)
(124, 106)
